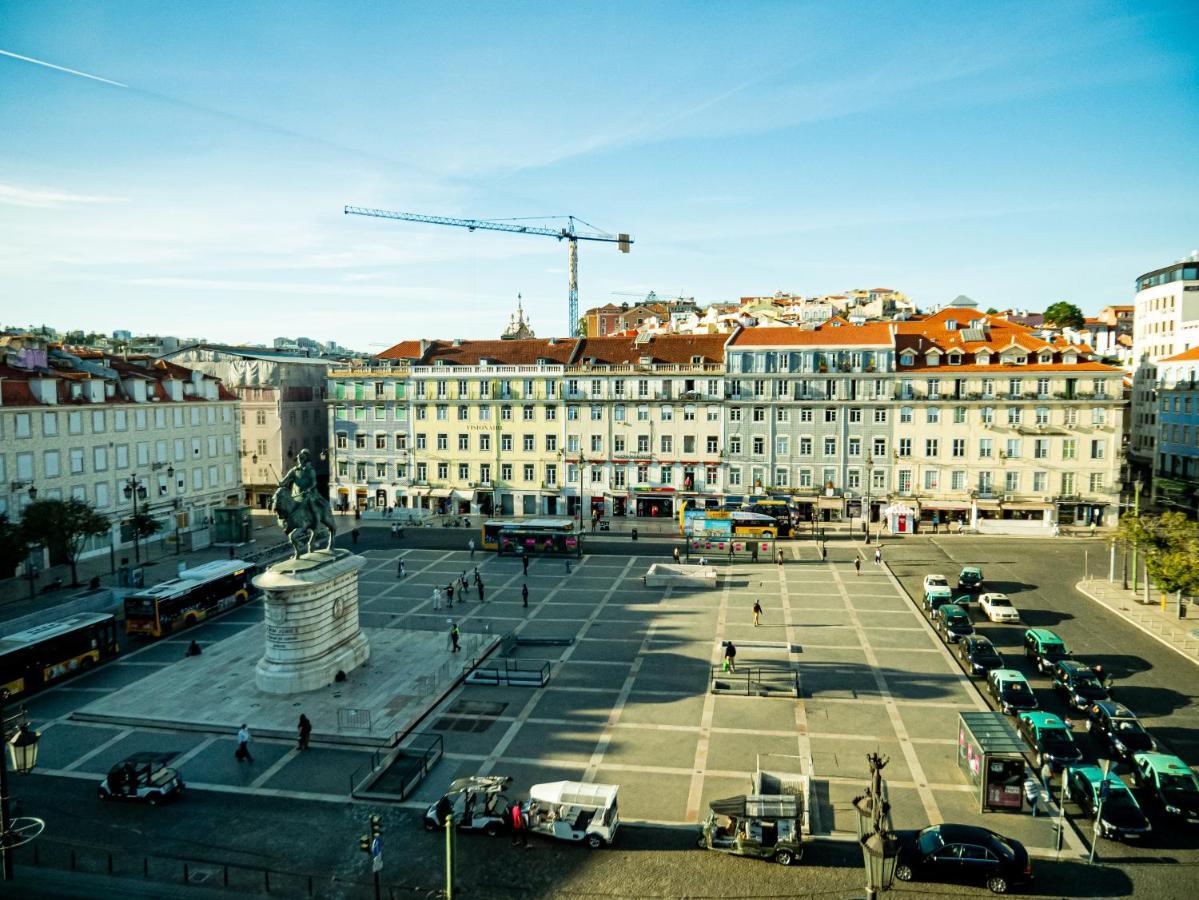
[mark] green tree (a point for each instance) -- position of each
(143, 525)
(64, 526)
(13, 546)
(1064, 315)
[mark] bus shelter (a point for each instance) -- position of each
(991, 756)
(541, 537)
(715, 545)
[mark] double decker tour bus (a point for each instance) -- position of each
(724, 521)
(775, 507)
(45, 653)
(189, 598)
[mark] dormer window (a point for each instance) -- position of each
(907, 358)
(951, 324)
(1045, 358)
(954, 358)
(932, 356)
(697, 360)
(1070, 357)
(983, 357)
(1020, 360)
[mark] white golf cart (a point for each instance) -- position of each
(573, 811)
(477, 803)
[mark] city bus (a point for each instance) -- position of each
(45, 653)
(535, 537)
(776, 508)
(724, 521)
(189, 598)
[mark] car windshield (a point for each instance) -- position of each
(1119, 801)
(999, 601)
(1087, 683)
(937, 581)
(930, 841)
(1185, 783)
(1015, 689)
(1053, 651)
(1055, 737)
(1127, 726)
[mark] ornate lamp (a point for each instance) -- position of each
(22, 749)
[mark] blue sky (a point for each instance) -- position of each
(1019, 153)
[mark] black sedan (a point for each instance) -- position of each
(1077, 684)
(954, 623)
(1114, 725)
(979, 655)
(962, 853)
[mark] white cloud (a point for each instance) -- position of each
(40, 198)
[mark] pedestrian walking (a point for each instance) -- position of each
(471, 545)
(525, 562)
(193, 649)
(676, 554)
(936, 522)
(524, 595)
(754, 554)
(857, 564)
(1092, 527)
(479, 587)
(437, 598)
(779, 557)
(305, 729)
(243, 744)
(465, 584)
(961, 525)
(354, 536)
(449, 595)
(757, 612)
(454, 645)
(400, 568)
(878, 556)
(520, 834)
(477, 578)
(730, 657)
(568, 567)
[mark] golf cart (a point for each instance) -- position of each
(143, 777)
(762, 826)
(476, 803)
(573, 811)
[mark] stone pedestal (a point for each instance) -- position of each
(312, 629)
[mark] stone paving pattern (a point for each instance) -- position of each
(628, 700)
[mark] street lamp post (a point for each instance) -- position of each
(135, 489)
(20, 742)
(869, 474)
(1136, 512)
(880, 847)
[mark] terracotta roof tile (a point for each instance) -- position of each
(663, 348)
(402, 350)
(1191, 355)
(871, 334)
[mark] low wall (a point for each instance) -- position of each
(667, 574)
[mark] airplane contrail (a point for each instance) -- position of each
(48, 65)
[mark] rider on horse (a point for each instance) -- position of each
(301, 478)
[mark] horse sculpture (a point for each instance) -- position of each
(297, 517)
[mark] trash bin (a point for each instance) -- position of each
(633, 534)
(1182, 608)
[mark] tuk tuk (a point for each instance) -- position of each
(142, 777)
(573, 811)
(762, 826)
(476, 803)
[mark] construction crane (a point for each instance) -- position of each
(569, 233)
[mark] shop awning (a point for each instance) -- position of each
(987, 504)
(830, 503)
(441, 493)
(1027, 505)
(944, 504)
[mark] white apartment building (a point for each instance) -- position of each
(87, 425)
(1166, 322)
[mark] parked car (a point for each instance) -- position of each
(477, 803)
(998, 608)
(979, 655)
(936, 597)
(954, 623)
(765, 827)
(1077, 683)
(962, 853)
(1170, 784)
(1049, 738)
(142, 777)
(970, 579)
(1011, 691)
(1116, 727)
(1044, 648)
(1121, 816)
(935, 581)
